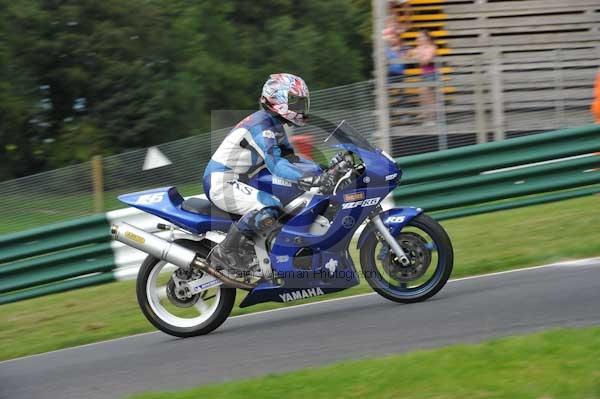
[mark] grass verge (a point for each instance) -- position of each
(485, 243)
(556, 364)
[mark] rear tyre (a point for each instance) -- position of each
(198, 315)
(429, 249)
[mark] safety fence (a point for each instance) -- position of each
(92, 187)
(483, 98)
(454, 183)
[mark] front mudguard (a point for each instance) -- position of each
(395, 219)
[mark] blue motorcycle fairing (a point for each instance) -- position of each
(166, 203)
(381, 169)
(324, 265)
(283, 189)
(336, 272)
(329, 249)
(395, 219)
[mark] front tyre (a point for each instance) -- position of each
(429, 250)
(180, 316)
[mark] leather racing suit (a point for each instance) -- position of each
(257, 141)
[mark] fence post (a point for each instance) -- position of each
(440, 107)
(98, 182)
(479, 102)
(381, 93)
(497, 98)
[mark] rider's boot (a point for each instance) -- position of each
(229, 253)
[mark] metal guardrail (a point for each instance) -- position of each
(43, 260)
(500, 171)
(451, 183)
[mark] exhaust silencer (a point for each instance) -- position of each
(169, 251)
(153, 245)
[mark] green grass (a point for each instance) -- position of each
(557, 364)
(484, 243)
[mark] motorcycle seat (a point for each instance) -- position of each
(201, 206)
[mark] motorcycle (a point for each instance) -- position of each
(405, 256)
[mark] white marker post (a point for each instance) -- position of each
(155, 159)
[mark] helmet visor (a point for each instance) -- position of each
(299, 105)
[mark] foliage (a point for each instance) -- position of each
(79, 78)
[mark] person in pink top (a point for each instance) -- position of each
(424, 53)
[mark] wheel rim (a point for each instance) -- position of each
(156, 292)
(433, 263)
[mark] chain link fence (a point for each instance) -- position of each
(483, 99)
(68, 193)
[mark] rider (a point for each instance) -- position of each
(257, 141)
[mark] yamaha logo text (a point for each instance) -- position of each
(301, 294)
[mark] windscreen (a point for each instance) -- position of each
(321, 138)
(344, 133)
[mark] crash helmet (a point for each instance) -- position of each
(287, 95)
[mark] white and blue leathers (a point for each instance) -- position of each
(257, 141)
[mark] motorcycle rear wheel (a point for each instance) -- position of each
(206, 311)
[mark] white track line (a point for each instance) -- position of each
(571, 263)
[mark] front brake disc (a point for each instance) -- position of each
(418, 253)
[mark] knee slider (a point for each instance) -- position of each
(266, 218)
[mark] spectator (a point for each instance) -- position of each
(394, 52)
(424, 53)
(397, 23)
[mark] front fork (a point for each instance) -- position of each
(390, 240)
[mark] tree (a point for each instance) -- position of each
(21, 117)
(104, 74)
(79, 78)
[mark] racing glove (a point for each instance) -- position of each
(337, 159)
(325, 182)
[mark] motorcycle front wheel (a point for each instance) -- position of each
(428, 247)
(177, 315)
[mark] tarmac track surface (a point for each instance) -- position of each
(466, 310)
